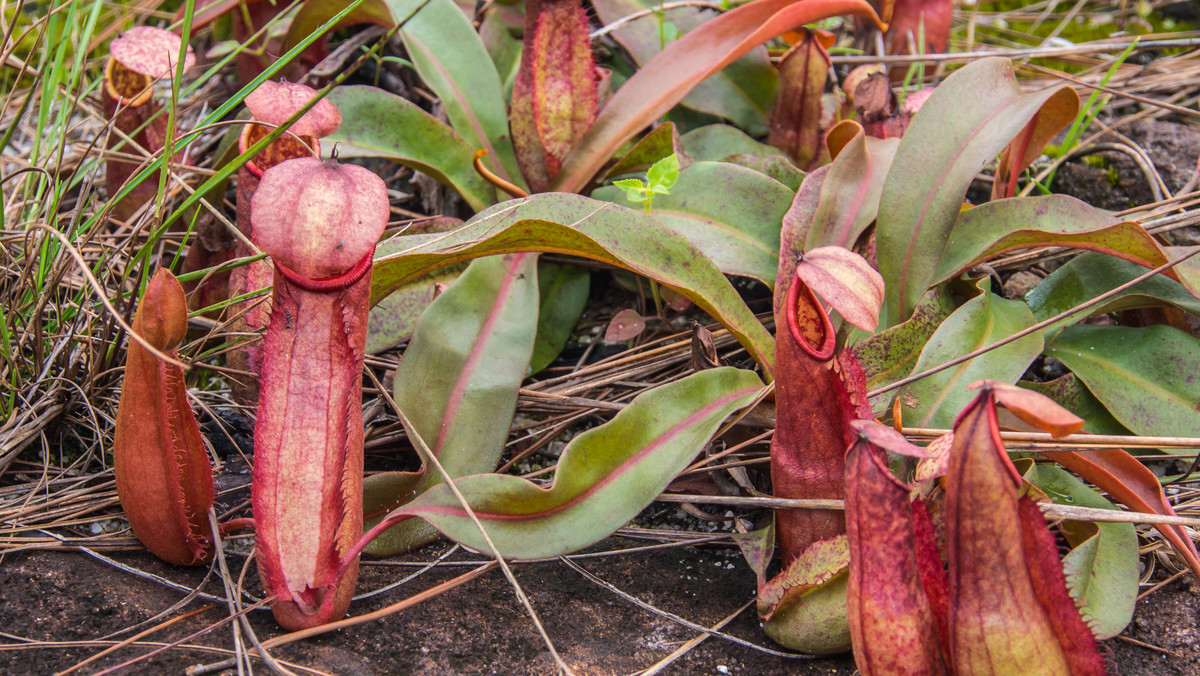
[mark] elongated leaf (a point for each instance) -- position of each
(564, 292)
(668, 77)
(459, 377)
(313, 13)
(605, 476)
(578, 226)
(1053, 117)
(935, 401)
(379, 124)
(850, 195)
(737, 225)
(1091, 274)
(451, 59)
(1145, 376)
(967, 121)
(1102, 567)
(504, 49)
(718, 142)
(890, 355)
(1053, 220)
(1131, 483)
(742, 92)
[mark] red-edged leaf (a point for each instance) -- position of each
(1128, 481)
(578, 226)
(604, 477)
(796, 224)
(846, 281)
(849, 200)
(469, 353)
(1053, 117)
(667, 78)
(994, 228)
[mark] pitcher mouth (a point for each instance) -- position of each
(329, 284)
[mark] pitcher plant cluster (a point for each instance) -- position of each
(852, 213)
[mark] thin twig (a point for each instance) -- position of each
(1050, 510)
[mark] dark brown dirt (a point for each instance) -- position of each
(1114, 181)
(479, 628)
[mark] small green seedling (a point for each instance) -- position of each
(659, 180)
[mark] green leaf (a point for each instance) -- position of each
(634, 189)
(719, 142)
(504, 49)
(1146, 377)
(378, 124)
(935, 401)
(458, 382)
(312, 14)
(731, 213)
(742, 92)
(451, 59)
(1054, 220)
(890, 355)
(668, 77)
(777, 167)
(564, 292)
(1102, 566)
(964, 125)
(663, 174)
(578, 226)
(850, 192)
(1091, 274)
(394, 319)
(604, 478)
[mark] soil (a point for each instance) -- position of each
(1114, 181)
(479, 628)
